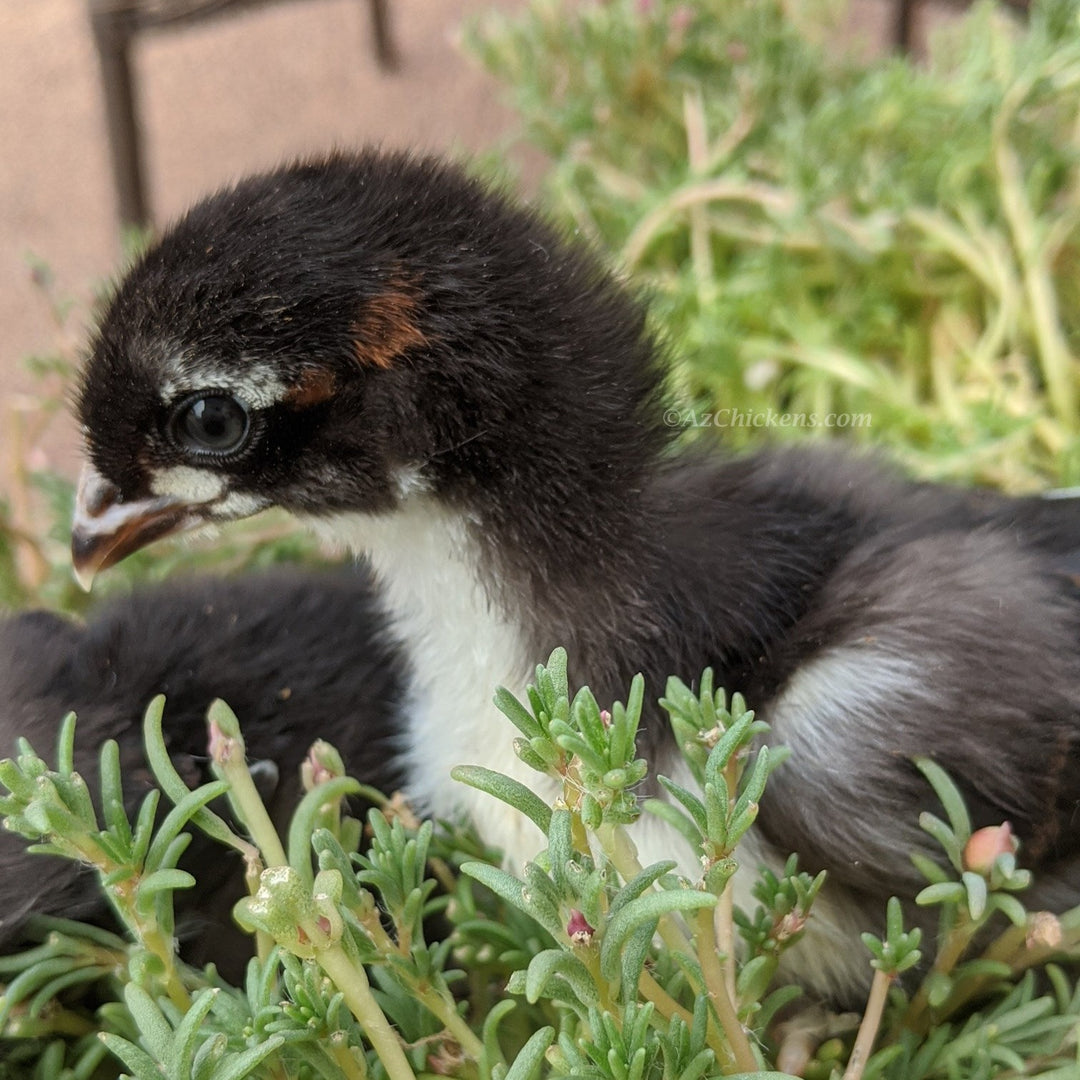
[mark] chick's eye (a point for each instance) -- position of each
(211, 424)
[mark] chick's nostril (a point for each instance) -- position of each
(95, 493)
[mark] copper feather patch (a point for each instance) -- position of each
(387, 325)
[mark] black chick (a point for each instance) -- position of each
(430, 374)
(258, 642)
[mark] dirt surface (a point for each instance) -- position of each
(219, 98)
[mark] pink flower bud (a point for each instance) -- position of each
(605, 718)
(322, 764)
(790, 925)
(221, 746)
(985, 845)
(578, 929)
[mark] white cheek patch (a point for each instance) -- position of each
(189, 484)
(239, 504)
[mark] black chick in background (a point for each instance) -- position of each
(430, 374)
(258, 642)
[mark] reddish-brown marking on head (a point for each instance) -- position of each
(386, 326)
(314, 386)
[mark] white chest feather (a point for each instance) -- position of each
(461, 646)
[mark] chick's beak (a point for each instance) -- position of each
(106, 529)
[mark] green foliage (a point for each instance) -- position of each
(181, 1051)
(590, 964)
(899, 949)
(881, 249)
